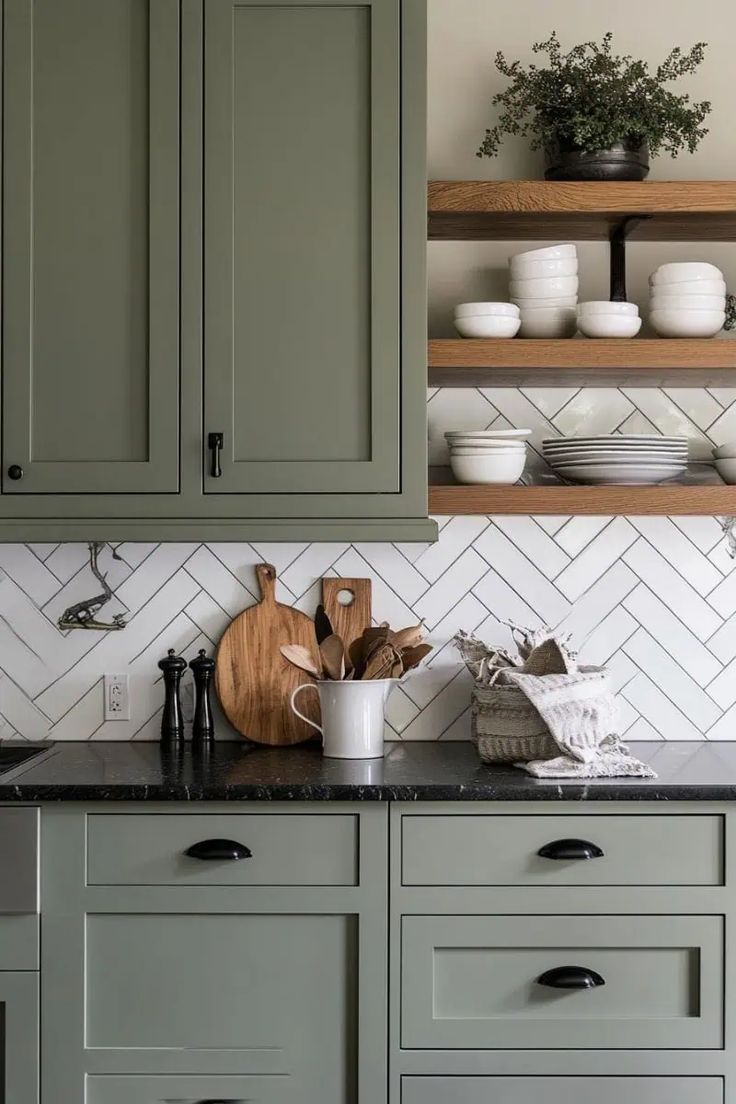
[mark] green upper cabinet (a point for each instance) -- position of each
(91, 250)
(215, 226)
(302, 262)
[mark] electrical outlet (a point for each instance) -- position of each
(117, 699)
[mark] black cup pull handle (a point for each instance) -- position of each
(215, 442)
(571, 977)
(566, 849)
(219, 849)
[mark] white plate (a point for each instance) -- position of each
(617, 473)
(615, 438)
(617, 458)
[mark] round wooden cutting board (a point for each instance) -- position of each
(253, 680)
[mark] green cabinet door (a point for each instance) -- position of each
(19, 1042)
(302, 252)
(91, 249)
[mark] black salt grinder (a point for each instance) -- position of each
(172, 722)
(203, 728)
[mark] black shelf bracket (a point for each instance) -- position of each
(619, 234)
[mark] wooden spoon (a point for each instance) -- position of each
(332, 652)
(299, 656)
(412, 657)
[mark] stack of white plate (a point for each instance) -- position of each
(687, 299)
(617, 458)
(487, 319)
(487, 455)
(544, 286)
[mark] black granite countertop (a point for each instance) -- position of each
(409, 772)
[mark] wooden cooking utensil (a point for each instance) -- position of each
(254, 681)
(348, 621)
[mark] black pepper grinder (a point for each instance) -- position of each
(172, 722)
(203, 728)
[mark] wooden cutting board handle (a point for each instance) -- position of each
(266, 575)
(347, 621)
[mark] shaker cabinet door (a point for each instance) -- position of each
(91, 250)
(19, 1041)
(302, 246)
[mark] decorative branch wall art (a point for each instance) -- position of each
(83, 615)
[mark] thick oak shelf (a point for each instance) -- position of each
(446, 500)
(655, 362)
(699, 210)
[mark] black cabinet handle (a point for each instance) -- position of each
(571, 977)
(215, 442)
(570, 849)
(15, 471)
(219, 849)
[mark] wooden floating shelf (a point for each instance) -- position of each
(515, 210)
(447, 500)
(464, 362)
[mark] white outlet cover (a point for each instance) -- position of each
(117, 698)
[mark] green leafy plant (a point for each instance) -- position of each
(590, 99)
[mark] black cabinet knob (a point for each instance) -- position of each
(15, 471)
(569, 849)
(571, 977)
(219, 849)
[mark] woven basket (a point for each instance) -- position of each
(507, 728)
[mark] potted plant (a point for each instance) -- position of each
(597, 115)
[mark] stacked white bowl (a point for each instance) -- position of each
(487, 319)
(687, 299)
(608, 319)
(725, 459)
(544, 286)
(487, 455)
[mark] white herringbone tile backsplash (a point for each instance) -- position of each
(654, 598)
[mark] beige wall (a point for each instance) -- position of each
(463, 38)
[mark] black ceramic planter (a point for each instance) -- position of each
(624, 161)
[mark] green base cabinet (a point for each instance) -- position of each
(228, 245)
(173, 988)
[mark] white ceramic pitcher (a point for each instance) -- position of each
(352, 716)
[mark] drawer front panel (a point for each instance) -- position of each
(504, 850)
(559, 1090)
(471, 982)
(286, 849)
(18, 860)
(191, 1090)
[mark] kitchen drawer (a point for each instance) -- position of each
(18, 860)
(559, 1090)
(193, 1090)
(471, 982)
(504, 850)
(285, 849)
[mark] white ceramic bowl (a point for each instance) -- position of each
(726, 451)
(489, 434)
(726, 468)
(605, 306)
(545, 288)
(690, 287)
(608, 325)
(488, 325)
(532, 270)
(687, 302)
(486, 446)
(687, 323)
(680, 271)
(546, 253)
(556, 301)
(470, 310)
(549, 322)
(478, 450)
(487, 469)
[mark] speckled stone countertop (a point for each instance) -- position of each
(409, 772)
